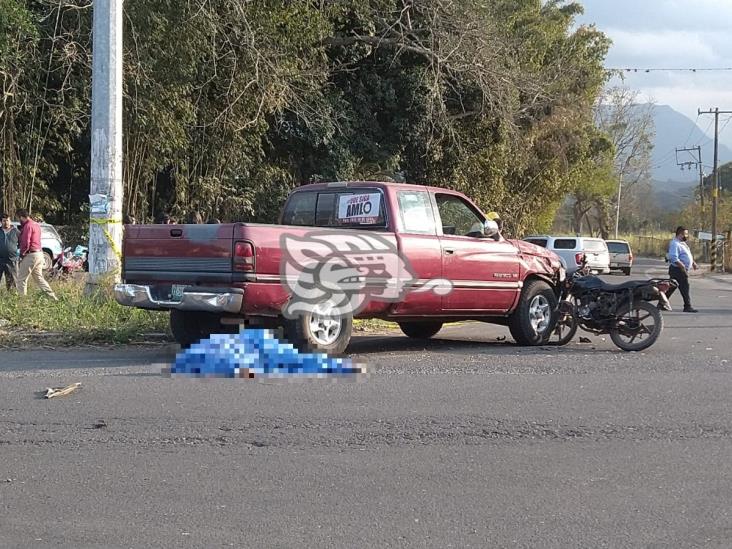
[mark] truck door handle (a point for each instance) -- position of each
(176, 232)
(449, 251)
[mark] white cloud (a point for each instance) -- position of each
(685, 15)
(670, 34)
(660, 48)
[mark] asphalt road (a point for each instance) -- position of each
(465, 441)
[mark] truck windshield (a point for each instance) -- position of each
(362, 208)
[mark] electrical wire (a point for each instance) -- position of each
(691, 131)
(660, 69)
(725, 124)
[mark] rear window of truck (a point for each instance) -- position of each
(618, 247)
(595, 245)
(362, 208)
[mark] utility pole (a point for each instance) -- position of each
(617, 210)
(715, 183)
(105, 196)
(691, 164)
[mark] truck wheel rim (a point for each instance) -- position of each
(540, 314)
(325, 326)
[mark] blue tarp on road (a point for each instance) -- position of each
(252, 353)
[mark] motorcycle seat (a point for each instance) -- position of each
(595, 283)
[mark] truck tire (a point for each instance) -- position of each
(533, 320)
(320, 331)
(626, 271)
(189, 327)
(420, 330)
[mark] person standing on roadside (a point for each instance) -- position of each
(31, 256)
(681, 261)
(9, 240)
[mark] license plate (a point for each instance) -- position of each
(613, 264)
(176, 292)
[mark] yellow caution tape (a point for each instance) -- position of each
(104, 221)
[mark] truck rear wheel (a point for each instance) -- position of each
(533, 320)
(320, 330)
(420, 330)
(189, 327)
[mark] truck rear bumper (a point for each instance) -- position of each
(229, 300)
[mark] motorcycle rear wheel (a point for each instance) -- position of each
(634, 324)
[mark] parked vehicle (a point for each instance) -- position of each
(71, 261)
(621, 256)
(214, 276)
(572, 248)
(625, 311)
(50, 242)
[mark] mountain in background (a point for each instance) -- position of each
(673, 130)
(671, 185)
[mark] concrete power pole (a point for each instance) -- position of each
(715, 185)
(105, 196)
(695, 162)
(617, 209)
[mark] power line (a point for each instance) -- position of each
(670, 69)
(691, 131)
(664, 160)
(725, 124)
(705, 134)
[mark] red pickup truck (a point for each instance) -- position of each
(452, 265)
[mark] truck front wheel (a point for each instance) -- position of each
(321, 330)
(533, 320)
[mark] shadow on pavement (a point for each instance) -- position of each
(374, 345)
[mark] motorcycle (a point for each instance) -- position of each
(70, 261)
(624, 311)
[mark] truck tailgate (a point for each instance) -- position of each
(189, 254)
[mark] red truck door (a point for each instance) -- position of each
(418, 241)
(485, 273)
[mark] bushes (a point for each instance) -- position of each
(75, 318)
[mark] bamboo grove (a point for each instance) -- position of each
(229, 104)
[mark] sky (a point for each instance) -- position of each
(671, 34)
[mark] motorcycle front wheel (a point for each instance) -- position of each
(637, 327)
(566, 326)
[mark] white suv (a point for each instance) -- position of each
(572, 248)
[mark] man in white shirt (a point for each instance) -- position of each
(681, 261)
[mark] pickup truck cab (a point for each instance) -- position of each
(453, 265)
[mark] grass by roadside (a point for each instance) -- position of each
(79, 319)
(74, 319)
(373, 325)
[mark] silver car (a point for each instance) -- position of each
(571, 249)
(621, 256)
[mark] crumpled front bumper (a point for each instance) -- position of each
(229, 300)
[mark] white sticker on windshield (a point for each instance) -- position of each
(359, 208)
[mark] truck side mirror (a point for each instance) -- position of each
(490, 228)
